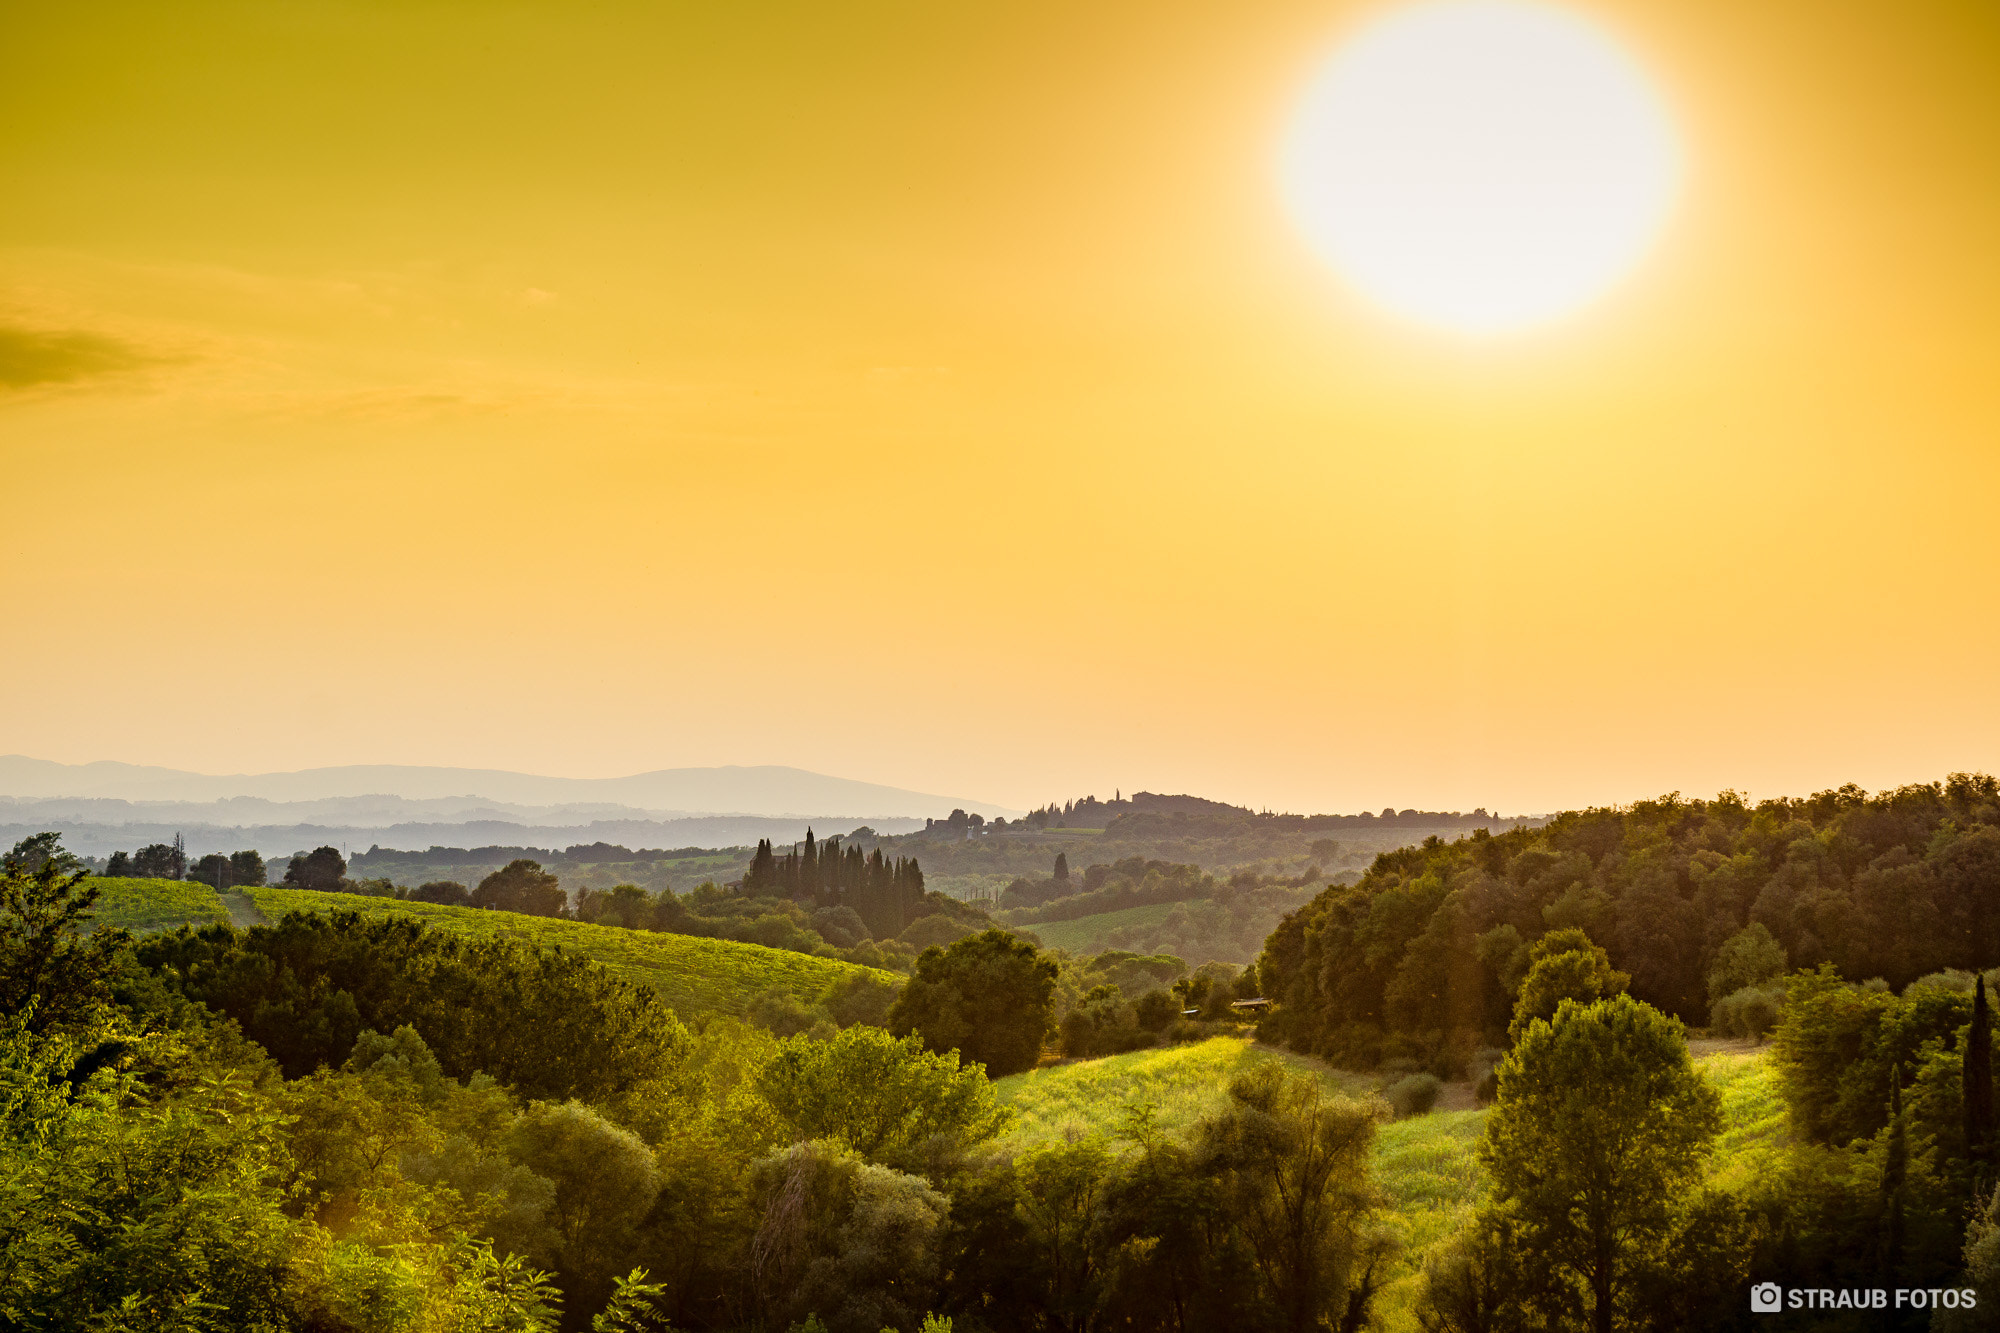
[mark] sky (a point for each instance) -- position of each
(939, 395)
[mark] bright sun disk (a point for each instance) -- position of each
(1481, 165)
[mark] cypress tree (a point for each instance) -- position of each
(808, 884)
(1062, 868)
(1895, 1172)
(1978, 1096)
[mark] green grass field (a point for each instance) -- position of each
(1425, 1165)
(1085, 935)
(144, 905)
(693, 975)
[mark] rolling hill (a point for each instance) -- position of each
(693, 974)
(1426, 1166)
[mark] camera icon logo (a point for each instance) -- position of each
(1765, 1298)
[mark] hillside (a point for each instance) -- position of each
(144, 905)
(694, 975)
(1424, 1165)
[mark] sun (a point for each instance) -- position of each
(1484, 166)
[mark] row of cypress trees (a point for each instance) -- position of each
(886, 895)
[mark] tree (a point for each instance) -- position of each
(1600, 1126)
(162, 860)
(212, 870)
(1061, 875)
(322, 870)
(32, 853)
(1978, 1093)
(1750, 956)
(851, 1243)
(46, 961)
(1291, 1171)
(989, 996)
(119, 866)
(521, 886)
(446, 892)
(1564, 965)
(883, 1097)
(247, 869)
(605, 1181)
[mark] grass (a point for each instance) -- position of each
(145, 905)
(1425, 1166)
(1085, 934)
(692, 974)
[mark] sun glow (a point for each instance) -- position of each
(1481, 165)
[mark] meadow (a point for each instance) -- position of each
(146, 905)
(1425, 1165)
(692, 974)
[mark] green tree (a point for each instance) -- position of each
(885, 1098)
(40, 849)
(1978, 1085)
(1291, 1172)
(161, 860)
(321, 869)
(989, 996)
(855, 1244)
(521, 886)
(1563, 965)
(50, 972)
(605, 1181)
(1600, 1126)
(247, 869)
(1750, 956)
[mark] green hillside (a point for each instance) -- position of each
(1425, 1165)
(694, 975)
(1086, 934)
(143, 905)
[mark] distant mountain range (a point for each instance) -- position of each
(767, 790)
(109, 806)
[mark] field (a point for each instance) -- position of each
(1085, 934)
(1425, 1165)
(694, 975)
(144, 905)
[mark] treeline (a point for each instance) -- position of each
(1131, 882)
(905, 919)
(369, 1126)
(1421, 959)
(886, 895)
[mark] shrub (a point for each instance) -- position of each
(1155, 1009)
(1750, 1012)
(1413, 1095)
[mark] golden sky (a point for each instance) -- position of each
(937, 394)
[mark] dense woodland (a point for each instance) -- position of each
(1420, 958)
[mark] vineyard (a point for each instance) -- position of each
(693, 974)
(145, 905)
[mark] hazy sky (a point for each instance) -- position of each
(937, 394)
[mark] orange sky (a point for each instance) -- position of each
(936, 394)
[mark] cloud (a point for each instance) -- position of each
(32, 357)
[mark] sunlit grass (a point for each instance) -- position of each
(1426, 1166)
(692, 974)
(145, 905)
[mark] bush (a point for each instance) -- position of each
(1413, 1095)
(1750, 1012)
(1155, 1009)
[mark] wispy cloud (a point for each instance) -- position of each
(32, 358)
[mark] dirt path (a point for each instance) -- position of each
(242, 912)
